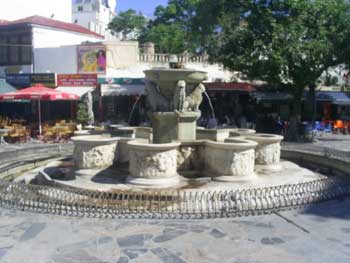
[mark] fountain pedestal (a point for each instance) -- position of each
(186, 125)
(174, 126)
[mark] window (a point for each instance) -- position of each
(26, 49)
(80, 8)
(3, 49)
(14, 50)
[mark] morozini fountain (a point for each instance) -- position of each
(173, 168)
(174, 153)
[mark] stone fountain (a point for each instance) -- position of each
(162, 156)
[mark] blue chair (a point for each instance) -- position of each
(328, 128)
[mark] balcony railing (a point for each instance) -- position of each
(165, 58)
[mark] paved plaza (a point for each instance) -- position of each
(316, 233)
(319, 233)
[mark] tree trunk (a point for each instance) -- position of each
(312, 90)
(295, 118)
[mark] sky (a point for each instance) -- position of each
(145, 6)
(15, 9)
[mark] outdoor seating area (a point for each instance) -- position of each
(330, 127)
(18, 131)
(60, 130)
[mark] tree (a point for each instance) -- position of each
(287, 43)
(128, 22)
(82, 114)
(167, 38)
(175, 19)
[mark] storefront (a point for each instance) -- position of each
(78, 84)
(120, 97)
(231, 102)
(272, 109)
(332, 105)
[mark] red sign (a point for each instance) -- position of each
(77, 80)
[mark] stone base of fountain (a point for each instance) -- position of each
(154, 183)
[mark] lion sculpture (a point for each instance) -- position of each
(195, 99)
(180, 96)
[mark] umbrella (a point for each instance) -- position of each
(38, 93)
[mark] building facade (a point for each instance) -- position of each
(94, 15)
(20, 39)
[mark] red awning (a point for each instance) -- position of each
(225, 86)
(38, 92)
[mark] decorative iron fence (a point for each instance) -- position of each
(177, 204)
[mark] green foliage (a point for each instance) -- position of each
(127, 22)
(172, 27)
(284, 42)
(82, 114)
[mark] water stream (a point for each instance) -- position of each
(210, 104)
(133, 109)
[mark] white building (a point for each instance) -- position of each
(16, 9)
(94, 15)
(20, 39)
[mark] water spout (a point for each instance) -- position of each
(210, 104)
(133, 109)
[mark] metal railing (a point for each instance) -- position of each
(164, 204)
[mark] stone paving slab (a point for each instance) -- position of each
(319, 233)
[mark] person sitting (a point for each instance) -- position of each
(212, 123)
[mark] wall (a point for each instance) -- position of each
(84, 19)
(48, 37)
(63, 60)
(17, 9)
(122, 54)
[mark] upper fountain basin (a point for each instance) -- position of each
(166, 75)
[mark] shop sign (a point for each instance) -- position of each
(48, 79)
(77, 80)
(92, 59)
(122, 81)
(25, 80)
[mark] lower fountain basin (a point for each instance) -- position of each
(94, 151)
(241, 132)
(213, 134)
(268, 151)
(153, 165)
(225, 161)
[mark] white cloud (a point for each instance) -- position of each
(16, 9)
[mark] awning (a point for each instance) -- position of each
(271, 96)
(334, 97)
(79, 91)
(232, 86)
(5, 87)
(122, 90)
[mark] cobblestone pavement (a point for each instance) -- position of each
(320, 233)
